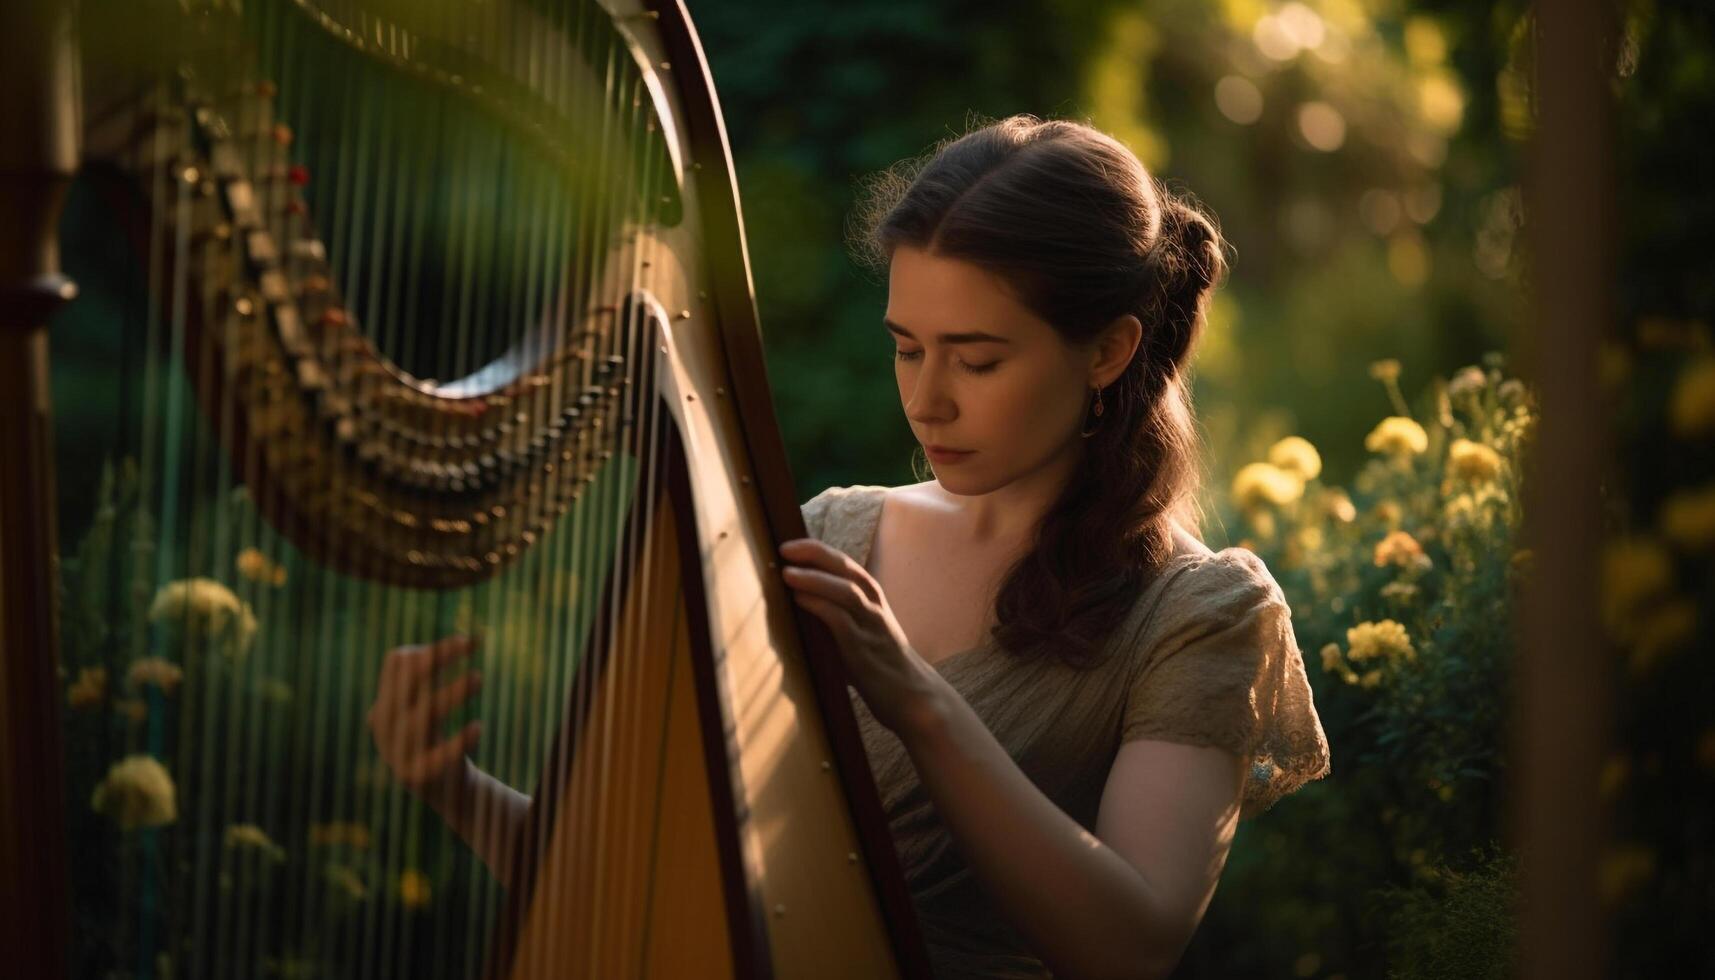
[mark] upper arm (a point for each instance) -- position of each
(1170, 810)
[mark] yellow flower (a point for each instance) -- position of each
(1398, 548)
(1634, 570)
(1688, 518)
(1397, 436)
(1389, 512)
(1385, 639)
(253, 564)
(1385, 370)
(1259, 485)
(155, 671)
(413, 888)
(1473, 462)
(1692, 408)
(1296, 455)
(1339, 505)
(1262, 521)
(137, 792)
(1512, 393)
(1371, 678)
(1330, 656)
(1468, 381)
(1401, 592)
(204, 609)
(89, 688)
(1475, 508)
(257, 567)
(248, 836)
(134, 710)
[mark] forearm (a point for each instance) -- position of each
(488, 814)
(1085, 910)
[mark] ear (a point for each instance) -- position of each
(1114, 349)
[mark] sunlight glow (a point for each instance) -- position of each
(1239, 99)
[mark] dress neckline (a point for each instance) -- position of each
(873, 516)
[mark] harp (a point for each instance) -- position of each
(392, 320)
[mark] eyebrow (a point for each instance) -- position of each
(970, 337)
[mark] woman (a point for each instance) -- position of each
(1067, 699)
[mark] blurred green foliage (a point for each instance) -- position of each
(1393, 239)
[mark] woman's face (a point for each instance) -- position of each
(1013, 393)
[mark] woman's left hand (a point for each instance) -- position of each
(901, 689)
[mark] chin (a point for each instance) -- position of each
(960, 484)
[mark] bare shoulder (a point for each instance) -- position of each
(917, 509)
(924, 498)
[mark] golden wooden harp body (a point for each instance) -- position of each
(392, 320)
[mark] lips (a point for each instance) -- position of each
(945, 450)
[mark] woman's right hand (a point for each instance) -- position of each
(406, 716)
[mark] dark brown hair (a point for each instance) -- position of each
(1082, 233)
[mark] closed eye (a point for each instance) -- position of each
(903, 355)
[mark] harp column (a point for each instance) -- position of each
(38, 156)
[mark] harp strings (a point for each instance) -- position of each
(569, 683)
(562, 312)
(270, 746)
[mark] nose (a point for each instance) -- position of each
(929, 400)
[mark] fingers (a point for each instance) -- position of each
(450, 648)
(437, 760)
(834, 588)
(453, 695)
(819, 555)
(836, 616)
(414, 665)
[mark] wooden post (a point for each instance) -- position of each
(38, 156)
(1562, 717)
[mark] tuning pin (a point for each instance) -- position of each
(282, 134)
(267, 89)
(298, 174)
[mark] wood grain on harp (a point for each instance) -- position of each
(407, 321)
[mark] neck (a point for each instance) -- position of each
(1009, 515)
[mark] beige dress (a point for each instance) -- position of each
(1207, 657)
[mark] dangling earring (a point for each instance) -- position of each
(1091, 432)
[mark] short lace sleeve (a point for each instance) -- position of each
(815, 511)
(1224, 669)
(844, 517)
